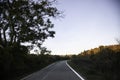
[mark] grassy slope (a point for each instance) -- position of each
(103, 65)
(86, 71)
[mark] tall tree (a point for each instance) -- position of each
(26, 21)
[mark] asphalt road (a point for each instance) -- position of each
(56, 71)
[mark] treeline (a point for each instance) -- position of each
(102, 63)
(16, 62)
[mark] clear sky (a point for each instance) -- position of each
(87, 24)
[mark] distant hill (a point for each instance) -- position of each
(115, 48)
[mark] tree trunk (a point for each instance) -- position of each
(5, 40)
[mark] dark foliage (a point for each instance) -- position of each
(24, 21)
(103, 62)
(15, 62)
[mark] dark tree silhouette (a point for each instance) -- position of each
(26, 21)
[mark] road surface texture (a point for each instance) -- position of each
(56, 71)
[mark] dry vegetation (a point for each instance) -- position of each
(102, 63)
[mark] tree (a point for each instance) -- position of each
(26, 21)
(118, 41)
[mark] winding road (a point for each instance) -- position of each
(56, 71)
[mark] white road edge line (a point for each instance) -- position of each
(74, 71)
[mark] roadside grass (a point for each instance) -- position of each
(86, 70)
(22, 75)
(32, 71)
(26, 73)
(101, 63)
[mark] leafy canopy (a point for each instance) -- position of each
(26, 21)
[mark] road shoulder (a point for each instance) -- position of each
(74, 71)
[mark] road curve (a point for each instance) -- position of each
(56, 71)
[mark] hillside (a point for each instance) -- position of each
(102, 63)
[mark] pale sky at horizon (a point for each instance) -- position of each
(87, 24)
